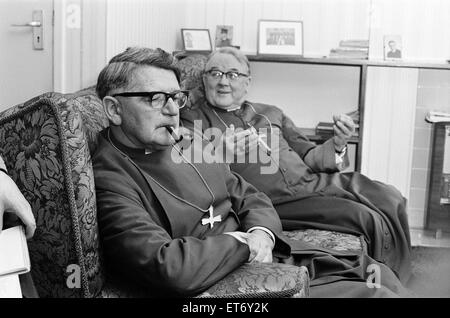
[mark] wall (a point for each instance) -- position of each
(307, 93)
(389, 125)
(423, 24)
(325, 21)
(433, 93)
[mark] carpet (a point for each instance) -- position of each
(430, 272)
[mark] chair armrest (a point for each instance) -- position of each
(262, 280)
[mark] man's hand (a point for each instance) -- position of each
(238, 142)
(261, 245)
(12, 200)
(344, 127)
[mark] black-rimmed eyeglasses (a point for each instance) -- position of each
(158, 99)
(231, 75)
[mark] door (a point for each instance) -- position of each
(24, 71)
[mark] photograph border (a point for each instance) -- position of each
(262, 49)
(399, 40)
(227, 27)
(183, 30)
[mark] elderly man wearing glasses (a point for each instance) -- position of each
(306, 186)
(168, 224)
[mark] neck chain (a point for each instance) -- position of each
(218, 117)
(210, 209)
(267, 149)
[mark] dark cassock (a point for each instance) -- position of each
(156, 229)
(308, 191)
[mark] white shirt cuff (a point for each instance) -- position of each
(240, 236)
(263, 229)
(340, 156)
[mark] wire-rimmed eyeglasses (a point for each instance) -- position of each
(231, 75)
(158, 99)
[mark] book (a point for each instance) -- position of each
(434, 117)
(10, 286)
(14, 257)
(354, 43)
(327, 128)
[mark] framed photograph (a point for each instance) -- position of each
(197, 40)
(224, 35)
(280, 37)
(392, 47)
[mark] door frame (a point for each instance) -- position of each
(76, 25)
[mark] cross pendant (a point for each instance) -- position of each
(212, 219)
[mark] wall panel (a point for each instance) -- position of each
(389, 125)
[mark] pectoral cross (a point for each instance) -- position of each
(212, 219)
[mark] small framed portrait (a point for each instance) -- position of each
(392, 47)
(196, 40)
(224, 35)
(280, 37)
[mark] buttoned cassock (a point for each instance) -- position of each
(307, 189)
(158, 241)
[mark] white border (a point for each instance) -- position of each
(297, 49)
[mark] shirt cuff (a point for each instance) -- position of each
(339, 156)
(3, 166)
(240, 236)
(263, 229)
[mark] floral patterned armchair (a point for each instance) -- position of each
(47, 143)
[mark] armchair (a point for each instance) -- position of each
(47, 143)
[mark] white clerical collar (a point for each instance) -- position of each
(233, 109)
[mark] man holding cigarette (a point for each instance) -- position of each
(302, 179)
(174, 227)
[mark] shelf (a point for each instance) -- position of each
(312, 136)
(335, 61)
(346, 62)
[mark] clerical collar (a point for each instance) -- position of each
(228, 110)
(128, 150)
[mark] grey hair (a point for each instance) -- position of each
(242, 59)
(119, 71)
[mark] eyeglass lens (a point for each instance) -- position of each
(160, 99)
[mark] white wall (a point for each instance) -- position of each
(423, 24)
(111, 26)
(158, 22)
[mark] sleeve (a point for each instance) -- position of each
(2, 165)
(255, 209)
(323, 158)
(320, 158)
(137, 245)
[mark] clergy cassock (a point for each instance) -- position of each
(150, 236)
(308, 191)
(153, 238)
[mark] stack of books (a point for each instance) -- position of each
(351, 49)
(325, 129)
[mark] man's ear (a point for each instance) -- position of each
(204, 81)
(113, 110)
(248, 82)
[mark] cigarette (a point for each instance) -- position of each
(174, 134)
(260, 140)
(263, 143)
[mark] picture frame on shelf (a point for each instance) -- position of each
(280, 37)
(392, 47)
(224, 36)
(196, 40)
